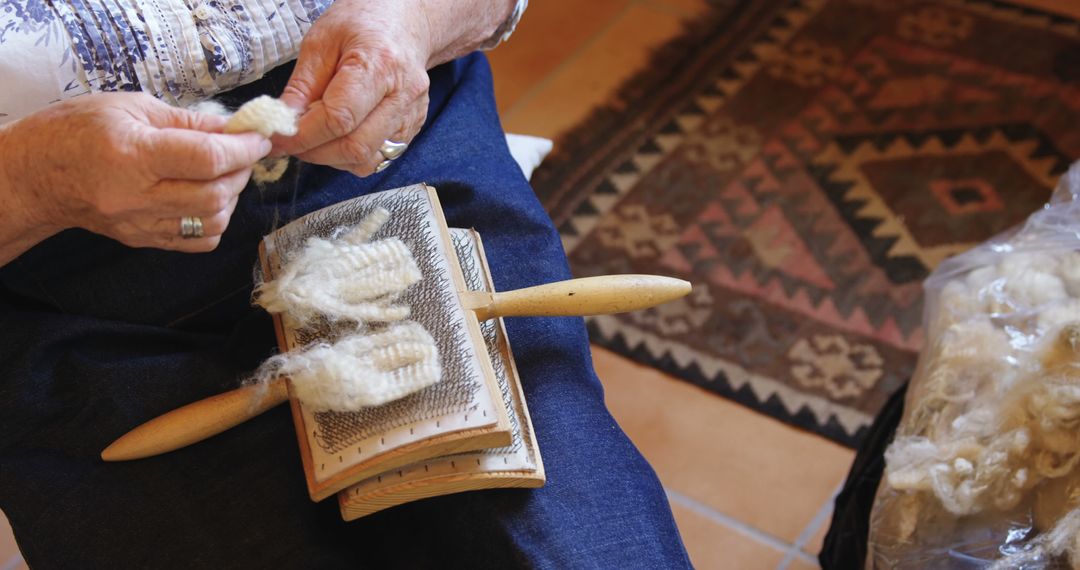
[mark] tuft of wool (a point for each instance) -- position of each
(344, 278)
(210, 107)
(265, 115)
(361, 369)
(269, 169)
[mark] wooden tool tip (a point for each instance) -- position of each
(117, 452)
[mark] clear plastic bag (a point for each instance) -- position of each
(984, 471)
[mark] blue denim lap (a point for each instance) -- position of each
(99, 338)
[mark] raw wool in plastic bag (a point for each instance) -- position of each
(983, 468)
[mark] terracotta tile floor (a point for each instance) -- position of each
(747, 491)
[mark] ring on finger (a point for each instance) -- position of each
(391, 150)
(191, 227)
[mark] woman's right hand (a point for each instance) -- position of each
(124, 165)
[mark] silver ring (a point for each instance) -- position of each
(382, 165)
(191, 227)
(391, 150)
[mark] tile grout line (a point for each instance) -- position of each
(534, 91)
(738, 526)
(808, 532)
(14, 562)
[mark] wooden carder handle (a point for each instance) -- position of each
(197, 421)
(575, 297)
(601, 295)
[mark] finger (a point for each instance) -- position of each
(166, 233)
(212, 225)
(193, 155)
(349, 97)
(198, 198)
(315, 67)
(162, 115)
(358, 152)
(147, 232)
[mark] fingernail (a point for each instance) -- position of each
(265, 146)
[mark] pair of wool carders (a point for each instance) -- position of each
(418, 217)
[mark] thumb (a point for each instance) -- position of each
(163, 116)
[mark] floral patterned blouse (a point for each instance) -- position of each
(181, 51)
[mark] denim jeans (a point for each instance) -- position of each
(98, 338)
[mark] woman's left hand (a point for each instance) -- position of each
(360, 79)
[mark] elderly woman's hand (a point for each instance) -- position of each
(127, 166)
(361, 77)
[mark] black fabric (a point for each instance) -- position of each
(846, 542)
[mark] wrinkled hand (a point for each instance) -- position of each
(128, 166)
(360, 79)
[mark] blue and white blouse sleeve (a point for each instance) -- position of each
(181, 51)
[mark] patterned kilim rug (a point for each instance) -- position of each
(806, 164)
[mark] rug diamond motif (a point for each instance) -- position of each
(885, 185)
